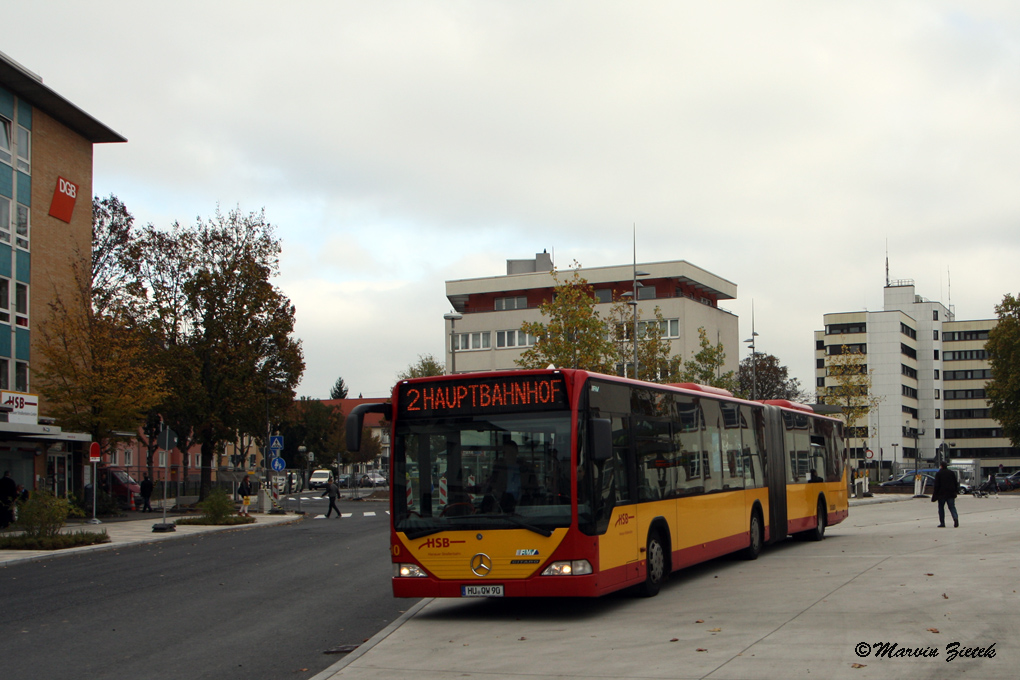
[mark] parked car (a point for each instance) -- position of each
(1005, 482)
(121, 486)
(372, 479)
(343, 480)
(907, 480)
(319, 479)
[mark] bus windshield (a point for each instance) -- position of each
(482, 471)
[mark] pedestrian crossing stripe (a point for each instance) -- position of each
(347, 515)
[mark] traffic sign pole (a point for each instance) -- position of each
(94, 456)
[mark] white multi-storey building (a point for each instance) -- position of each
(484, 332)
(930, 371)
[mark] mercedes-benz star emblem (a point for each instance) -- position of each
(481, 564)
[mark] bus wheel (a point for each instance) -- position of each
(655, 566)
(819, 531)
(757, 532)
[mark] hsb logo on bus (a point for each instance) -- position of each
(438, 543)
(624, 519)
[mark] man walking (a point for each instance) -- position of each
(333, 491)
(146, 491)
(947, 487)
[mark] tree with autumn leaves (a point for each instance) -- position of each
(577, 336)
(194, 336)
(1003, 347)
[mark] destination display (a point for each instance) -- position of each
(483, 395)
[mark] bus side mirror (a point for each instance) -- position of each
(600, 434)
(356, 421)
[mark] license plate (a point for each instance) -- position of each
(481, 591)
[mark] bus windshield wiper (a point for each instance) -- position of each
(517, 521)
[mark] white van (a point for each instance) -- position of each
(319, 479)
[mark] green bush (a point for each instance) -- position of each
(230, 520)
(43, 515)
(217, 507)
(106, 505)
(57, 542)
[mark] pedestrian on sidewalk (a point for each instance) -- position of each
(333, 491)
(244, 491)
(945, 491)
(8, 492)
(146, 491)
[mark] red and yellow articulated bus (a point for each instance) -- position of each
(572, 483)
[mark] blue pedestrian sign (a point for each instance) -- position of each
(276, 442)
(279, 464)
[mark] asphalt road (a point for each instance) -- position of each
(260, 603)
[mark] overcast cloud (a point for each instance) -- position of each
(781, 145)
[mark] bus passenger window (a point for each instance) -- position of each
(712, 442)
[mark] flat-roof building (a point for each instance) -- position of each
(45, 228)
(491, 310)
(930, 370)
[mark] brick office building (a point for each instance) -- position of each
(46, 146)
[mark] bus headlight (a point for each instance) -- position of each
(408, 570)
(572, 568)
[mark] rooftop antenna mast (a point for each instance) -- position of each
(887, 263)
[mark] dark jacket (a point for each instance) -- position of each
(244, 488)
(332, 490)
(146, 488)
(946, 485)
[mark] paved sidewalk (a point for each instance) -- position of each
(133, 531)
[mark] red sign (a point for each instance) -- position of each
(483, 395)
(64, 196)
(95, 454)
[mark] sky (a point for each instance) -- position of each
(788, 147)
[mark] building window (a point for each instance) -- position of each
(21, 304)
(908, 371)
(507, 303)
(846, 328)
(5, 140)
(966, 355)
(954, 336)
(604, 294)
(5, 300)
(514, 339)
(833, 350)
(819, 363)
(646, 293)
(5, 369)
(936, 374)
(162, 458)
(938, 414)
(468, 341)
(979, 374)
(908, 331)
(908, 391)
(819, 382)
(668, 328)
(937, 394)
(20, 376)
(5, 220)
(819, 344)
(936, 355)
(24, 150)
(908, 351)
(22, 226)
(934, 315)
(935, 335)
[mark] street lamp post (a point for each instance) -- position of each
(453, 318)
(754, 357)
